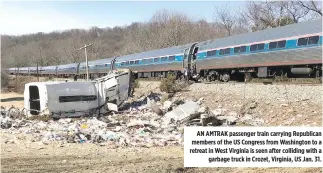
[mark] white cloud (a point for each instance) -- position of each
(17, 20)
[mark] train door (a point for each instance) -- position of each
(189, 57)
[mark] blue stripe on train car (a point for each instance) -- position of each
(201, 55)
(179, 58)
(290, 44)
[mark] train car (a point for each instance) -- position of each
(33, 71)
(12, 71)
(97, 67)
(293, 50)
(49, 71)
(24, 70)
(155, 63)
(67, 70)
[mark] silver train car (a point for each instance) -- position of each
(96, 68)
(293, 50)
(48, 70)
(67, 70)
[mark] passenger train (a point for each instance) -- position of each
(293, 50)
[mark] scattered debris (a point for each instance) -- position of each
(143, 122)
(284, 105)
(253, 105)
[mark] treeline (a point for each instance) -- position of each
(164, 29)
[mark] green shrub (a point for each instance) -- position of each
(168, 84)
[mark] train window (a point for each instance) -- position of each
(302, 41)
(171, 58)
(213, 52)
(127, 62)
(313, 40)
(132, 62)
(261, 46)
(281, 44)
(272, 45)
(137, 62)
(227, 51)
(156, 59)
(122, 63)
(253, 47)
(239, 49)
(222, 51)
(243, 48)
(236, 49)
(150, 60)
(163, 58)
(209, 53)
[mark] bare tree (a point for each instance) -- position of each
(226, 19)
(270, 14)
(292, 9)
(313, 6)
(164, 29)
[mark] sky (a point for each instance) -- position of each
(24, 17)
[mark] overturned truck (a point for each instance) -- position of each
(79, 98)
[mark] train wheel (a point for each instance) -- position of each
(225, 77)
(318, 76)
(212, 76)
(247, 77)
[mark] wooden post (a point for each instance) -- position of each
(37, 72)
(16, 80)
(87, 65)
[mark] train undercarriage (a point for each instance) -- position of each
(243, 74)
(247, 74)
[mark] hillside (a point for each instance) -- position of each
(164, 29)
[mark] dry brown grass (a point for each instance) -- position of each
(18, 85)
(4, 79)
(40, 118)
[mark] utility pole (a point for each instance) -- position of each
(16, 79)
(37, 72)
(87, 64)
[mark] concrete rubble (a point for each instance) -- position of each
(145, 122)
